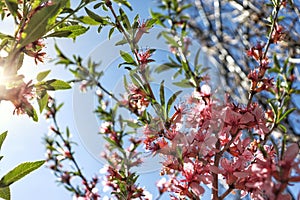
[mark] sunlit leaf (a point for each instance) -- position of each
(42, 75)
(88, 20)
(43, 102)
(19, 172)
(2, 138)
(69, 31)
(127, 57)
(121, 42)
(172, 100)
(95, 16)
(37, 25)
(57, 85)
(12, 6)
(5, 193)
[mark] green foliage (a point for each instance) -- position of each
(39, 24)
(72, 31)
(42, 101)
(2, 138)
(129, 60)
(19, 172)
(5, 193)
(12, 5)
(42, 75)
(53, 84)
(89, 20)
(16, 174)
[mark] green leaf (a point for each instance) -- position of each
(132, 124)
(166, 66)
(2, 138)
(150, 23)
(162, 99)
(184, 84)
(19, 172)
(42, 75)
(121, 42)
(170, 40)
(127, 57)
(111, 31)
(12, 6)
(88, 20)
(57, 85)
(95, 16)
(37, 25)
(282, 127)
(59, 34)
(5, 193)
(69, 31)
(286, 114)
(124, 19)
(30, 111)
(136, 80)
(43, 101)
(162, 94)
(172, 100)
(196, 61)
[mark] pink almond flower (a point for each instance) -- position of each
(287, 164)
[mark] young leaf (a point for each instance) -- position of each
(57, 85)
(59, 34)
(286, 114)
(5, 193)
(196, 61)
(162, 94)
(166, 66)
(2, 138)
(150, 23)
(172, 100)
(184, 84)
(43, 101)
(30, 111)
(132, 124)
(69, 31)
(94, 16)
(88, 20)
(124, 19)
(121, 42)
(42, 75)
(127, 57)
(111, 31)
(19, 172)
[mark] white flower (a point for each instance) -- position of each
(148, 195)
(104, 169)
(161, 182)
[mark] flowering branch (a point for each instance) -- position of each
(60, 151)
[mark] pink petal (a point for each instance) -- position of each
(215, 169)
(291, 152)
(197, 189)
(246, 118)
(241, 174)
